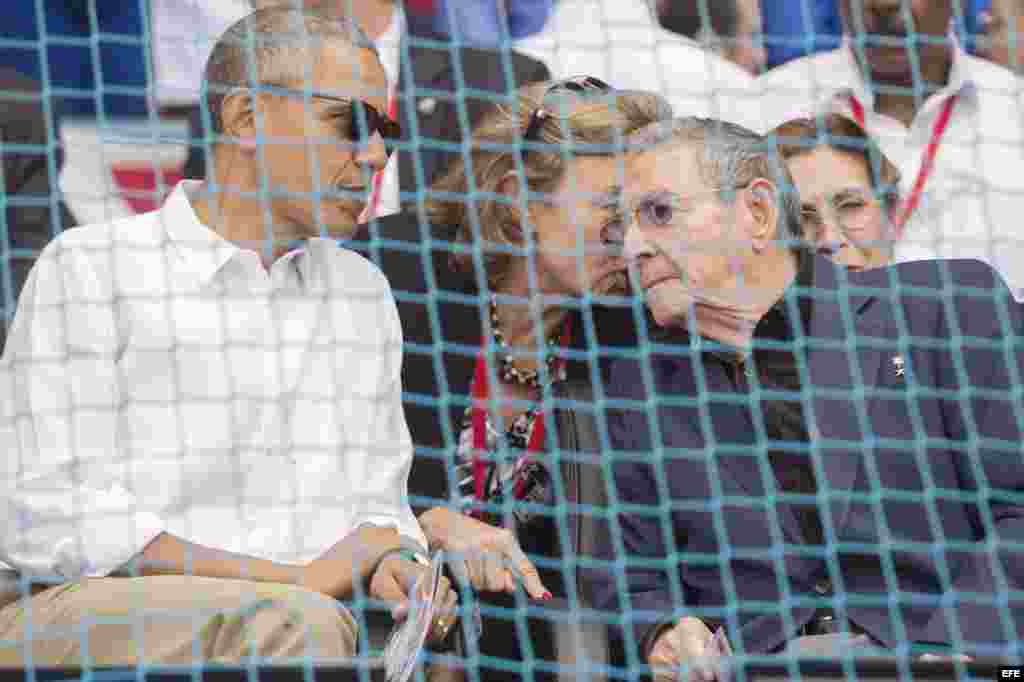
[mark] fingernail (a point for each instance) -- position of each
(547, 596)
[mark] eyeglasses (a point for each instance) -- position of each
(653, 210)
(363, 118)
(579, 85)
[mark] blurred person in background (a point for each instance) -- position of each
(732, 30)
(479, 23)
(94, 52)
(849, 191)
(514, 270)
(797, 29)
(622, 42)
(946, 119)
(1002, 28)
(35, 213)
(204, 401)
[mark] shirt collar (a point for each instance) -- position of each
(201, 252)
(848, 79)
(197, 249)
(389, 43)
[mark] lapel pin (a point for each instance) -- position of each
(427, 105)
(898, 363)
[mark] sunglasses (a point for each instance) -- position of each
(579, 86)
(363, 118)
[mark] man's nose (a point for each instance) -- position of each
(635, 245)
(374, 153)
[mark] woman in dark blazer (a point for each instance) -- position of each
(508, 290)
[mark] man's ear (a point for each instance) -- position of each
(238, 114)
(762, 212)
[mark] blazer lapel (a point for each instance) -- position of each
(844, 362)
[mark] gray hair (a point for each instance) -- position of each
(273, 46)
(730, 157)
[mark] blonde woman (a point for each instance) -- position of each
(494, 290)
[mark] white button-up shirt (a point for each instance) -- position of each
(158, 378)
(974, 198)
(621, 42)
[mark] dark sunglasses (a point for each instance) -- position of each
(363, 118)
(579, 85)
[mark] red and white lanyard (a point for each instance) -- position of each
(927, 162)
(478, 417)
(378, 177)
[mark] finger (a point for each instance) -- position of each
(445, 596)
(444, 618)
(526, 571)
(477, 578)
(494, 572)
(460, 571)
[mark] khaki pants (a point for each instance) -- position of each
(173, 620)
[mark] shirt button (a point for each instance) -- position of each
(823, 586)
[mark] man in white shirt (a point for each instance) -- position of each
(621, 42)
(202, 422)
(905, 77)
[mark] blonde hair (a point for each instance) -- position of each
(468, 194)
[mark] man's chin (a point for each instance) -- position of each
(669, 305)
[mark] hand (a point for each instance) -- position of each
(349, 561)
(488, 558)
(686, 643)
(394, 582)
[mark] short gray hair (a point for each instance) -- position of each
(273, 46)
(729, 157)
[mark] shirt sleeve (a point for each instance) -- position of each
(66, 508)
(384, 496)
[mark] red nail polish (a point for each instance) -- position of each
(547, 596)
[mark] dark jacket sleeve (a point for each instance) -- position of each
(986, 412)
(643, 593)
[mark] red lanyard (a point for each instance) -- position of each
(378, 177)
(478, 418)
(927, 162)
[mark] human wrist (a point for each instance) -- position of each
(432, 522)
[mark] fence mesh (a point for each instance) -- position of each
(862, 462)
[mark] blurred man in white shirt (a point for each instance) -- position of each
(621, 42)
(948, 120)
(206, 398)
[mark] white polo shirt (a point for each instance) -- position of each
(158, 378)
(974, 197)
(621, 43)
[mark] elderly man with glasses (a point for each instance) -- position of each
(204, 402)
(832, 461)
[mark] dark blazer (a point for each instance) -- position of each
(35, 211)
(444, 91)
(912, 390)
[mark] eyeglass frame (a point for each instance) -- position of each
(392, 132)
